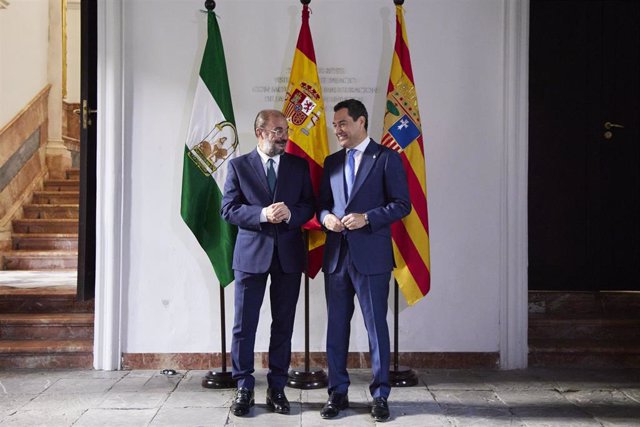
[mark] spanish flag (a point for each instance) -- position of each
(304, 110)
(403, 133)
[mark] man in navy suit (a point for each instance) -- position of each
(268, 195)
(363, 191)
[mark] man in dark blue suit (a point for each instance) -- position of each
(363, 191)
(268, 195)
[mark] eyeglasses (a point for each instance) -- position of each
(278, 132)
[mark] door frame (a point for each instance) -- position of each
(109, 188)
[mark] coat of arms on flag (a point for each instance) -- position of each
(219, 144)
(402, 110)
(301, 104)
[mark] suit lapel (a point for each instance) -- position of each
(366, 163)
(283, 174)
(256, 164)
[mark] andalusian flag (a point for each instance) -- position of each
(403, 133)
(211, 142)
(304, 110)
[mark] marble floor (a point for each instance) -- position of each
(38, 278)
(532, 397)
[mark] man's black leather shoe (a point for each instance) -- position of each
(336, 403)
(380, 409)
(242, 402)
(277, 401)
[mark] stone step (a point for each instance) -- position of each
(46, 326)
(40, 260)
(56, 197)
(50, 211)
(47, 299)
(584, 353)
(61, 184)
(73, 173)
(608, 304)
(58, 226)
(46, 354)
(45, 241)
(591, 328)
(611, 346)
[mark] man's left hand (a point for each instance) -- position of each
(354, 221)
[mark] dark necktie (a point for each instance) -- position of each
(271, 175)
(350, 170)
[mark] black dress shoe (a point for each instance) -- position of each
(277, 401)
(380, 409)
(242, 402)
(336, 403)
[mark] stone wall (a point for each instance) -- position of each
(22, 160)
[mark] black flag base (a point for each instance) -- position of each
(218, 379)
(307, 380)
(402, 377)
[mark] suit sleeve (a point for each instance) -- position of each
(397, 202)
(325, 202)
(235, 208)
(302, 211)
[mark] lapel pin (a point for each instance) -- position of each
(374, 156)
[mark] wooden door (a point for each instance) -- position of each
(584, 186)
(88, 94)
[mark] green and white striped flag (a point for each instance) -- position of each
(211, 142)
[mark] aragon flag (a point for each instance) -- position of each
(212, 140)
(403, 133)
(304, 109)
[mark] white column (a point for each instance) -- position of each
(514, 244)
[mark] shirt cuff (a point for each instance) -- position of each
(323, 215)
(263, 215)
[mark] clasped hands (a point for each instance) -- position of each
(352, 221)
(277, 212)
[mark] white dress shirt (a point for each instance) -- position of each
(359, 151)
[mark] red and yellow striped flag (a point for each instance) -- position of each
(304, 109)
(403, 133)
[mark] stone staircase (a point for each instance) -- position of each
(45, 328)
(41, 323)
(584, 329)
(46, 238)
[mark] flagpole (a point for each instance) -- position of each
(399, 376)
(307, 378)
(222, 378)
(219, 379)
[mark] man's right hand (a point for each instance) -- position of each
(277, 212)
(331, 222)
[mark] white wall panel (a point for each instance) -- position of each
(457, 52)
